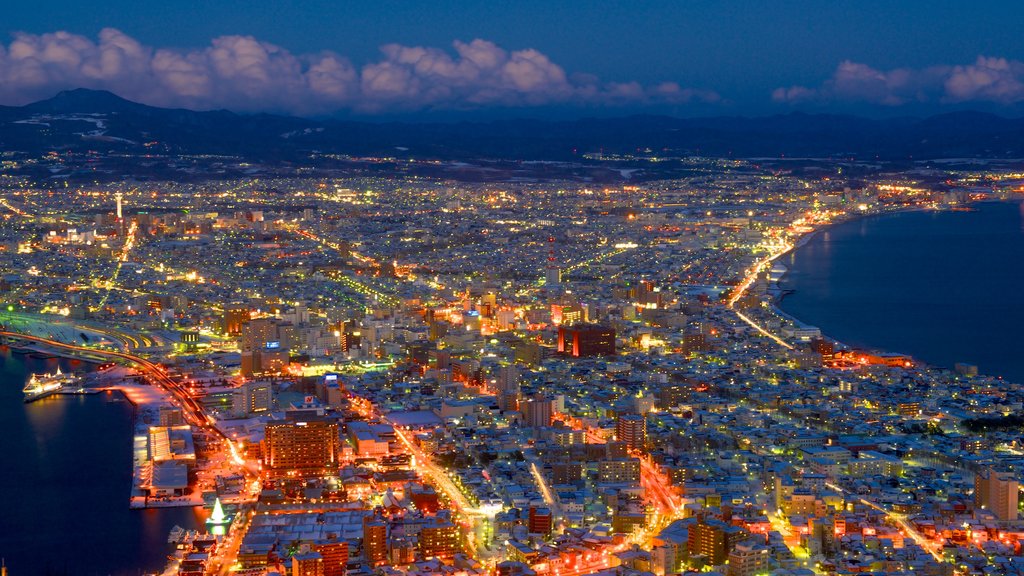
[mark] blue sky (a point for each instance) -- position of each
(698, 57)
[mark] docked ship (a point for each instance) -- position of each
(43, 385)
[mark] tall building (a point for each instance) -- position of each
(235, 316)
(509, 401)
(308, 564)
(439, 539)
(619, 471)
(375, 540)
(538, 411)
(997, 492)
(508, 379)
(632, 429)
(540, 521)
(585, 340)
(262, 333)
(671, 395)
(334, 554)
(714, 539)
(253, 397)
(301, 446)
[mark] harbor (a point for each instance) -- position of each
(74, 450)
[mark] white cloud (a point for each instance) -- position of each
(245, 74)
(996, 80)
(992, 79)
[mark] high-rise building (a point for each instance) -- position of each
(714, 539)
(997, 492)
(439, 538)
(261, 333)
(671, 395)
(334, 554)
(235, 316)
(538, 411)
(540, 521)
(585, 340)
(375, 540)
(301, 446)
(508, 378)
(253, 397)
(615, 449)
(268, 360)
(632, 429)
(509, 401)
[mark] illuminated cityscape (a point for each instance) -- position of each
(465, 312)
(380, 372)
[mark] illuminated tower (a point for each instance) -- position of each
(552, 274)
(118, 196)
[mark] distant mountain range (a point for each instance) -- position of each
(83, 120)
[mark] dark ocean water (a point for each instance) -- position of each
(944, 287)
(65, 480)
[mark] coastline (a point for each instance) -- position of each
(774, 303)
(146, 402)
(75, 447)
(805, 238)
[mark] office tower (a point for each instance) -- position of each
(508, 379)
(552, 274)
(301, 446)
(257, 333)
(585, 340)
(566, 472)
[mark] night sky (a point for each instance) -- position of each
(599, 57)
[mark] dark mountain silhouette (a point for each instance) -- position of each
(91, 120)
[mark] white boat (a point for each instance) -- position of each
(43, 385)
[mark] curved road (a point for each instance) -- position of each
(193, 410)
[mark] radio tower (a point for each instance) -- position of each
(552, 276)
(118, 196)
